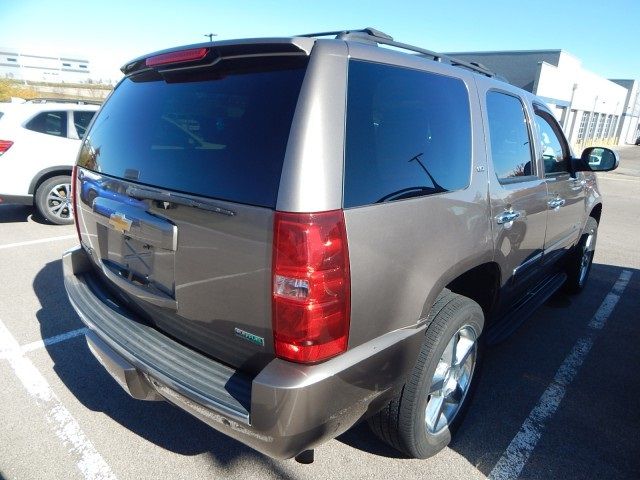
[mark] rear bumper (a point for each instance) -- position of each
(286, 409)
(17, 199)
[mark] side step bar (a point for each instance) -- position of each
(512, 321)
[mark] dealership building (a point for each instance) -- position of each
(591, 109)
(19, 65)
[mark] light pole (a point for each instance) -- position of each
(567, 118)
(592, 134)
(211, 35)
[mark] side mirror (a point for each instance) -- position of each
(596, 159)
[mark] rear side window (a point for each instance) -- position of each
(510, 139)
(51, 123)
(81, 121)
(408, 134)
(220, 132)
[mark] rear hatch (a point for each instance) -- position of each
(177, 178)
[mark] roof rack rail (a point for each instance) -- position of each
(79, 101)
(371, 35)
(368, 31)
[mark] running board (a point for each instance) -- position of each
(512, 321)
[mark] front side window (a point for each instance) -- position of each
(51, 123)
(554, 150)
(408, 134)
(510, 140)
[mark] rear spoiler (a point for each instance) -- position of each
(215, 51)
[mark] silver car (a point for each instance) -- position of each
(286, 236)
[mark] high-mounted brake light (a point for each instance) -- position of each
(191, 55)
(5, 145)
(311, 286)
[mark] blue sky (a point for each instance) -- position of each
(605, 35)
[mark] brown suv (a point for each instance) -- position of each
(285, 236)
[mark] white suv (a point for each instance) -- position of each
(39, 142)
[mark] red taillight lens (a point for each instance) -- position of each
(191, 55)
(5, 145)
(74, 201)
(311, 286)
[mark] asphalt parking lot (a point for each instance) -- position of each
(559, 399)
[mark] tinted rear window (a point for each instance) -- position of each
(81, 120)
(509, 135)
(408, 134)
(219, 133)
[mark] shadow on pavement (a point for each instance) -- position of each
(519, 370)
(19, 214)
(515, 374)
(157, 422)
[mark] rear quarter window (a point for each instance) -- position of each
(408, 134)
(81, 120)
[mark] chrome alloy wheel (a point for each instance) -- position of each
(587, 256)
(451, 380)
(59, 201)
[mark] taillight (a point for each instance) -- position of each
(191, 55)
(5, 145)
(74, 202)
(311, 286)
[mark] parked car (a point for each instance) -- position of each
(343, 229)
(95, 186)
(39, 143)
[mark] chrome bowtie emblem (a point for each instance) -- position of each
(119, 222)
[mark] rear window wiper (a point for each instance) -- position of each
(203, 204)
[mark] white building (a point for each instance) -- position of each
(590, 108)
(629, 128)
(34, 67)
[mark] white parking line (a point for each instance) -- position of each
(35, 242)
(30, 347)
(517, 454)
(90, 463)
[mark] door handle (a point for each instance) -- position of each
(556, 203)
(507, 217)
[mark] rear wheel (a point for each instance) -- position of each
(53, 200)
(579, 262)
(423, 416)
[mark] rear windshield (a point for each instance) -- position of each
(220, 132)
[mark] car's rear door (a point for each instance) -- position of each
(44, 143)
(518, 193)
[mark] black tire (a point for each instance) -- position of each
(53, 200)
(402, 423)
(579, 262)
(91, 196)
